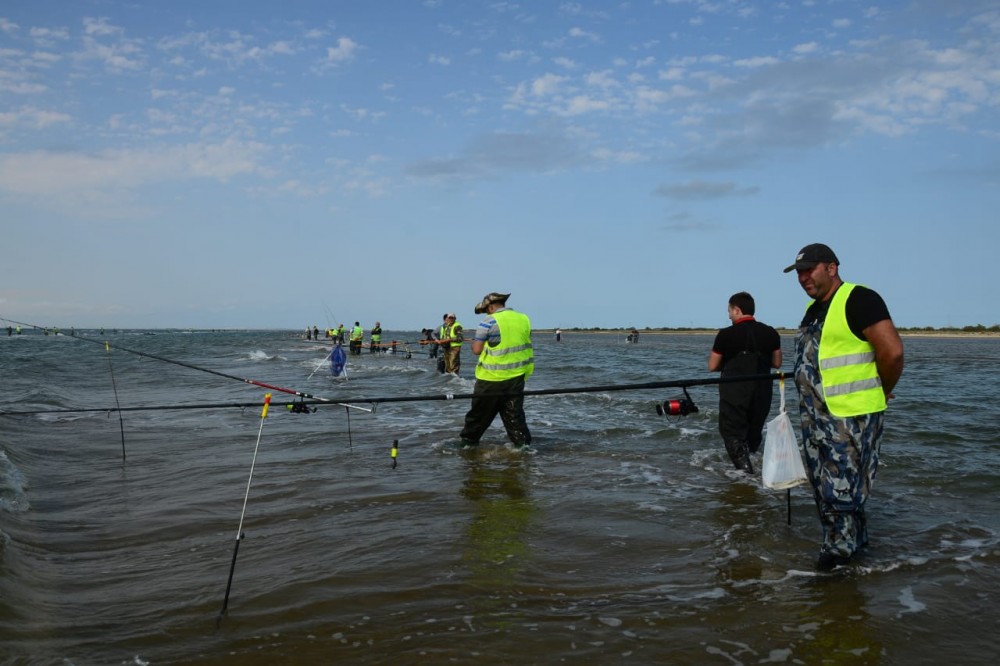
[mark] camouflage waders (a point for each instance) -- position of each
(841, 453)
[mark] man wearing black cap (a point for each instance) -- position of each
(848, 358)
(506, 359)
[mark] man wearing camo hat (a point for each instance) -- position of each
(503, 344)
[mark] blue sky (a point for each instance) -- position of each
(282, 164)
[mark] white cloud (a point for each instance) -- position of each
(672, 74)
(49, 174)
(546, 85)
(760, 61)
(20, 87)
(359, 113)
(32, 118)
(48, 37)
(100, 27)
(44, 58)
(343, 51)
(123, 56)
(580, 33)
(584, 104)
(601, 80)
(510, 56)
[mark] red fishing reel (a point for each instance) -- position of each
(677, 406)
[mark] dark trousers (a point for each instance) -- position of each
(488, 401)
(743, 409)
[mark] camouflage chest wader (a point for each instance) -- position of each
(841, 453)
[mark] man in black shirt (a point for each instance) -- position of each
(848, 358)
(748, 347)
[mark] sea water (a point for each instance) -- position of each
(619, 536)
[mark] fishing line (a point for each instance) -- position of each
(239, 530)
(114, 386)
(354, 402)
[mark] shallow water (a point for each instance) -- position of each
(619, 536)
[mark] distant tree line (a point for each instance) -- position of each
(977, 328)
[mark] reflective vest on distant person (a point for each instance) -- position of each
(357, 333)
(514, 356)
(449, 332)
(851, 385)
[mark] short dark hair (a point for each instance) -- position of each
(743, 301)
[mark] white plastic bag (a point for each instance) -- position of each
(782, 467)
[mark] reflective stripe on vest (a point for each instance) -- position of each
(851, 385)
(514, 356)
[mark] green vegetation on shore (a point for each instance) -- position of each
(945, 330)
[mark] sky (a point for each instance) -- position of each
(260, 164)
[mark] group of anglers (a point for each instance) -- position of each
(355, 338)
(448, 338)
(16, 330)
(848, 359)
(505, 359)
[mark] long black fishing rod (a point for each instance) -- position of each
(254, 382)
(354, 402)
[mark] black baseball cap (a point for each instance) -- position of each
(810, 255)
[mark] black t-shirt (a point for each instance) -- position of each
(748, 335)
(864, 307)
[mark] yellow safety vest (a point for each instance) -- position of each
(851, 385)
(449, 332)
(514, 356)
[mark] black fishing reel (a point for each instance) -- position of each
(677, 406)
(299, 407)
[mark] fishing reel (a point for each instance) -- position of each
(677, 406)
(299, 407)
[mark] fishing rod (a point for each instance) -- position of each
(114, 386)
(295, 407)
(320, 364)
(239, 530)
(668, 407)
(254, 382)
